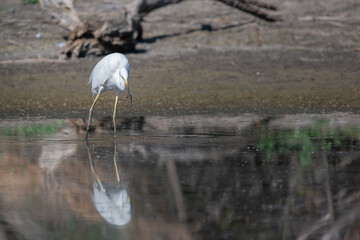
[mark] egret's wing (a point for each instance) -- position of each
(103, 71)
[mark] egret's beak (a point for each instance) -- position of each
(126, 84)
(128, 89)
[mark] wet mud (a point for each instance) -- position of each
(192, 84)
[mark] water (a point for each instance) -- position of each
(193, 177)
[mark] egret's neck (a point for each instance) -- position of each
(120, 83)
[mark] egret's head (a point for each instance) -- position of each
(124, 74)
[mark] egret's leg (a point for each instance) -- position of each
(115, 155)
(91, 110)
(92, 167)
(114, 115)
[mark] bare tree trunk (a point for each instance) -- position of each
(139, 8)
(118, 35)
(63, 11)
(143, 7)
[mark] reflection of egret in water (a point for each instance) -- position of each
(112, 202)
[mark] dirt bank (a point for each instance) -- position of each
(304, 64)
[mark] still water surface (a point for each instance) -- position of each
(192, 177)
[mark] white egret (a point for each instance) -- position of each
(110, 73)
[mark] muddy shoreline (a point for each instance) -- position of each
(194, 83)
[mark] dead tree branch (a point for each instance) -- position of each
(119, 35)
(255, 8)
(138, 9)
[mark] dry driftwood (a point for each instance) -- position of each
(116, 36)
(119, 35)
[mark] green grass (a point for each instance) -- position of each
(30, 1)
(32, 130)
(305, 141)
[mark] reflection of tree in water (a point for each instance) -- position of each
(193, 178)
(236, 181)
(255, 189)
(298, 189)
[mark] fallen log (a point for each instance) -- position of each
(119, 35)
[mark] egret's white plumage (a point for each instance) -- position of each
(110, 73)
